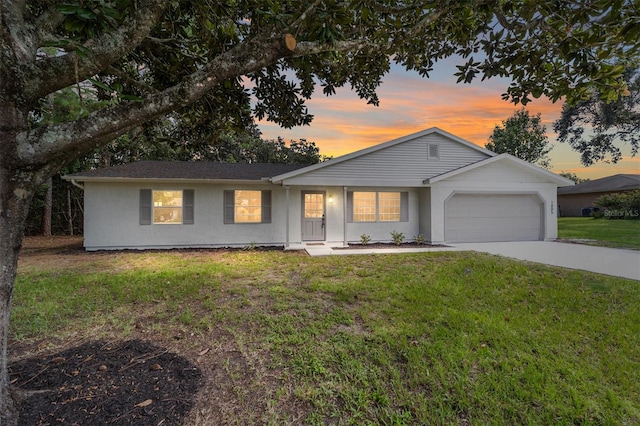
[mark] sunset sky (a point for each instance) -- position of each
(344, 123)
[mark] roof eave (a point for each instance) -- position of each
(85, 179)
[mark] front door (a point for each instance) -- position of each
(313, 216)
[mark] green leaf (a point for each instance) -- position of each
(68, 9)
(86, 14)
(131, 98)
(100, 84)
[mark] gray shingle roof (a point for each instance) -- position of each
(606, 184)
(187, 170)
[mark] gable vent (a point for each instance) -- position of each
(433, 151)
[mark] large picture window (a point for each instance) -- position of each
(247, 206)
(160, 207)
(369, 206)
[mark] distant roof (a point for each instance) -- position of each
(186, 171)
(605, 184)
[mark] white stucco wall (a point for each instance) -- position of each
(112, 218)
(500, 177)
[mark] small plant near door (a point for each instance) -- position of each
(419, 239)
(397, 237)
(365, 239)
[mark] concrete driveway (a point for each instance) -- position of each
(608, 261)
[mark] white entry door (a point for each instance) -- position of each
(313, 216)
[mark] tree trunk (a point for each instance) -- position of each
(14, 207)
(46, 210)
(17, 188)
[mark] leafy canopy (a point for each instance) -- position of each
(547, 48)
(596, 129)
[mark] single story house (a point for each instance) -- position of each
(430, 183)
(573, 199)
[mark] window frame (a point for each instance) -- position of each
(229, 207)
(246, 201)
(156, 206)
(403, 207)
(147, 206)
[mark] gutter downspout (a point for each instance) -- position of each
(76, 184)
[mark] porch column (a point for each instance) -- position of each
(286, 189)
(344, 216)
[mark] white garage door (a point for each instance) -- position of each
(492, 217)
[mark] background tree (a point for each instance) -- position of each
(574, 177)
(149, 58)
(522, 136)
(596, 128)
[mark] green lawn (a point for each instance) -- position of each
(441, 338)
(604, 232)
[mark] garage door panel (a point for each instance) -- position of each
(492, 217)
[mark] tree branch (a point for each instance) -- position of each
(303, 16)
(51, 74)
(50, 144)
(47, 23)
(145, 88)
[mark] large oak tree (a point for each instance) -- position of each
(150, 57)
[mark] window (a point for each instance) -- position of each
(313, 205)
(364, 206)
(247, 206)
(378, 206)
(389, 206)
(166, 207)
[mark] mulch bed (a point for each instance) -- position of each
(99, 383)
(387, 246)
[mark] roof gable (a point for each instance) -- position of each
(183, 170)
(513, 162)
(402, 161)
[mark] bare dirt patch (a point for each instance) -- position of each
(124, 383)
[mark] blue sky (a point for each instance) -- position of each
(344, 123)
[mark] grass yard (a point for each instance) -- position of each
(440, 338)
(603, 232)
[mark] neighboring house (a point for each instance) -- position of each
(572, 200)
(430, 183)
